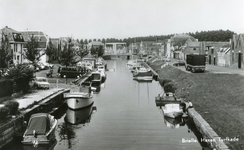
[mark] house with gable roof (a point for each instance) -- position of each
(42, 41)
(211, 50)
(16, 42)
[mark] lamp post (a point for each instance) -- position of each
(65, 79)
(239, 59)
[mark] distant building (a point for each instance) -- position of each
(115, 48)
(16, 42)
(42, 41)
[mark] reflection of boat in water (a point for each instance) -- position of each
(144, 80)
(40, 130)
(173, 122)
(78, 116)
(77, 100)
(166, 98)
(41, 147)
(172, 110)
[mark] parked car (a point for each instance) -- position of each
(179, 63)
(167, 60)
(41, 83)
(48, 65)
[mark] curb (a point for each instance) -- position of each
(209, 135)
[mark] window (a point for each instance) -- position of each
(194, 48)
(212, 51)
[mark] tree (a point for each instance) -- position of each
(103, 41)
(67, 54)
(22, 75)
(85, 42)
(81, 42)
(90, 40)
(5, 52)
(99, 51)
(31, 52)
(50, 50)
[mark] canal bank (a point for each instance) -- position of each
(208, 134)
(40, 101)
(126, 118)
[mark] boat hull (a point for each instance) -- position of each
(174, 114)
(78, 116)
(172, 110)
(143, 78)
(78, 102)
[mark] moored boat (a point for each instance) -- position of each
(77, 100)
(166, 98)
(142, 74)
(40, 130)
(80, 116)
(172, 110)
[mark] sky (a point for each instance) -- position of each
(97, 19)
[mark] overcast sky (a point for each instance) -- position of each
(89, 19)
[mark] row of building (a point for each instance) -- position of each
(178, 46)
(18, 40)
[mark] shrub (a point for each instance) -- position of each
(13, 107)
(6, 86)
(21, 74)
(162, 82)
(3, 112)
(170, 87)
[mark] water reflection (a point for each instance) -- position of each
(73, 121)
(174, 123)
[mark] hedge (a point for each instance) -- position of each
(13, 107)
(3, 112)
(6, 86)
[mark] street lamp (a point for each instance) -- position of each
(239, 59)
(65, 79)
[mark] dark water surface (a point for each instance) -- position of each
(126, 117)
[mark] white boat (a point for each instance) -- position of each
(172, 110)
(96, 77)
(142, 70)
(40, 130)
(143, 74)
(77, 100)
(80, 116)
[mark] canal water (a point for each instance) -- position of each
(124, 116)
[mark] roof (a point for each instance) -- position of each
(12, 35)
(193, 44)
(38, 35)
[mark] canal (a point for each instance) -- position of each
(124, 116)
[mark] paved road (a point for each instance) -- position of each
(213, 69)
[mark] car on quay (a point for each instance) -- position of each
(41, 83)
(179, 63)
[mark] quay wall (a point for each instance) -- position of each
(15, 127)
(208, 134)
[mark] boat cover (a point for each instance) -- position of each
(40, 124)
